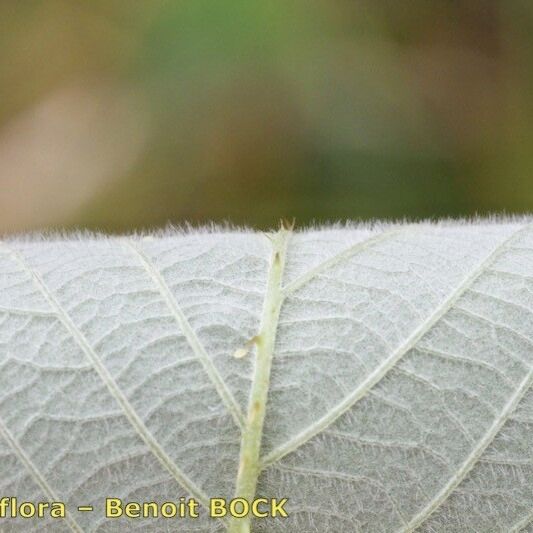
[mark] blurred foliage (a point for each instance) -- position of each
(120, 114)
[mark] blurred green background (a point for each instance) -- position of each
(128, 114)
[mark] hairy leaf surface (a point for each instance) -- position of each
(391, 368)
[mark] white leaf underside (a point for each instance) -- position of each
(400, 382)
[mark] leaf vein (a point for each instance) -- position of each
(199, 351)
(336, 259)
(134, 419)
(36, 474)
(376, 376)
(473, 457)
(522, 523)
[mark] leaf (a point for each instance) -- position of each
(382, 379)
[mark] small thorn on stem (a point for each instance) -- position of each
(242, 352)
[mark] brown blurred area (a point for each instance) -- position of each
(118, 115)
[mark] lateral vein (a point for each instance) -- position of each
(473, 457)
(336, 259)
(25, 312)
(198, 349)
(112, 386)
(36, 474)
(373, 378)
(522, 523)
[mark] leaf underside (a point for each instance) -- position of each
(397, 385)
